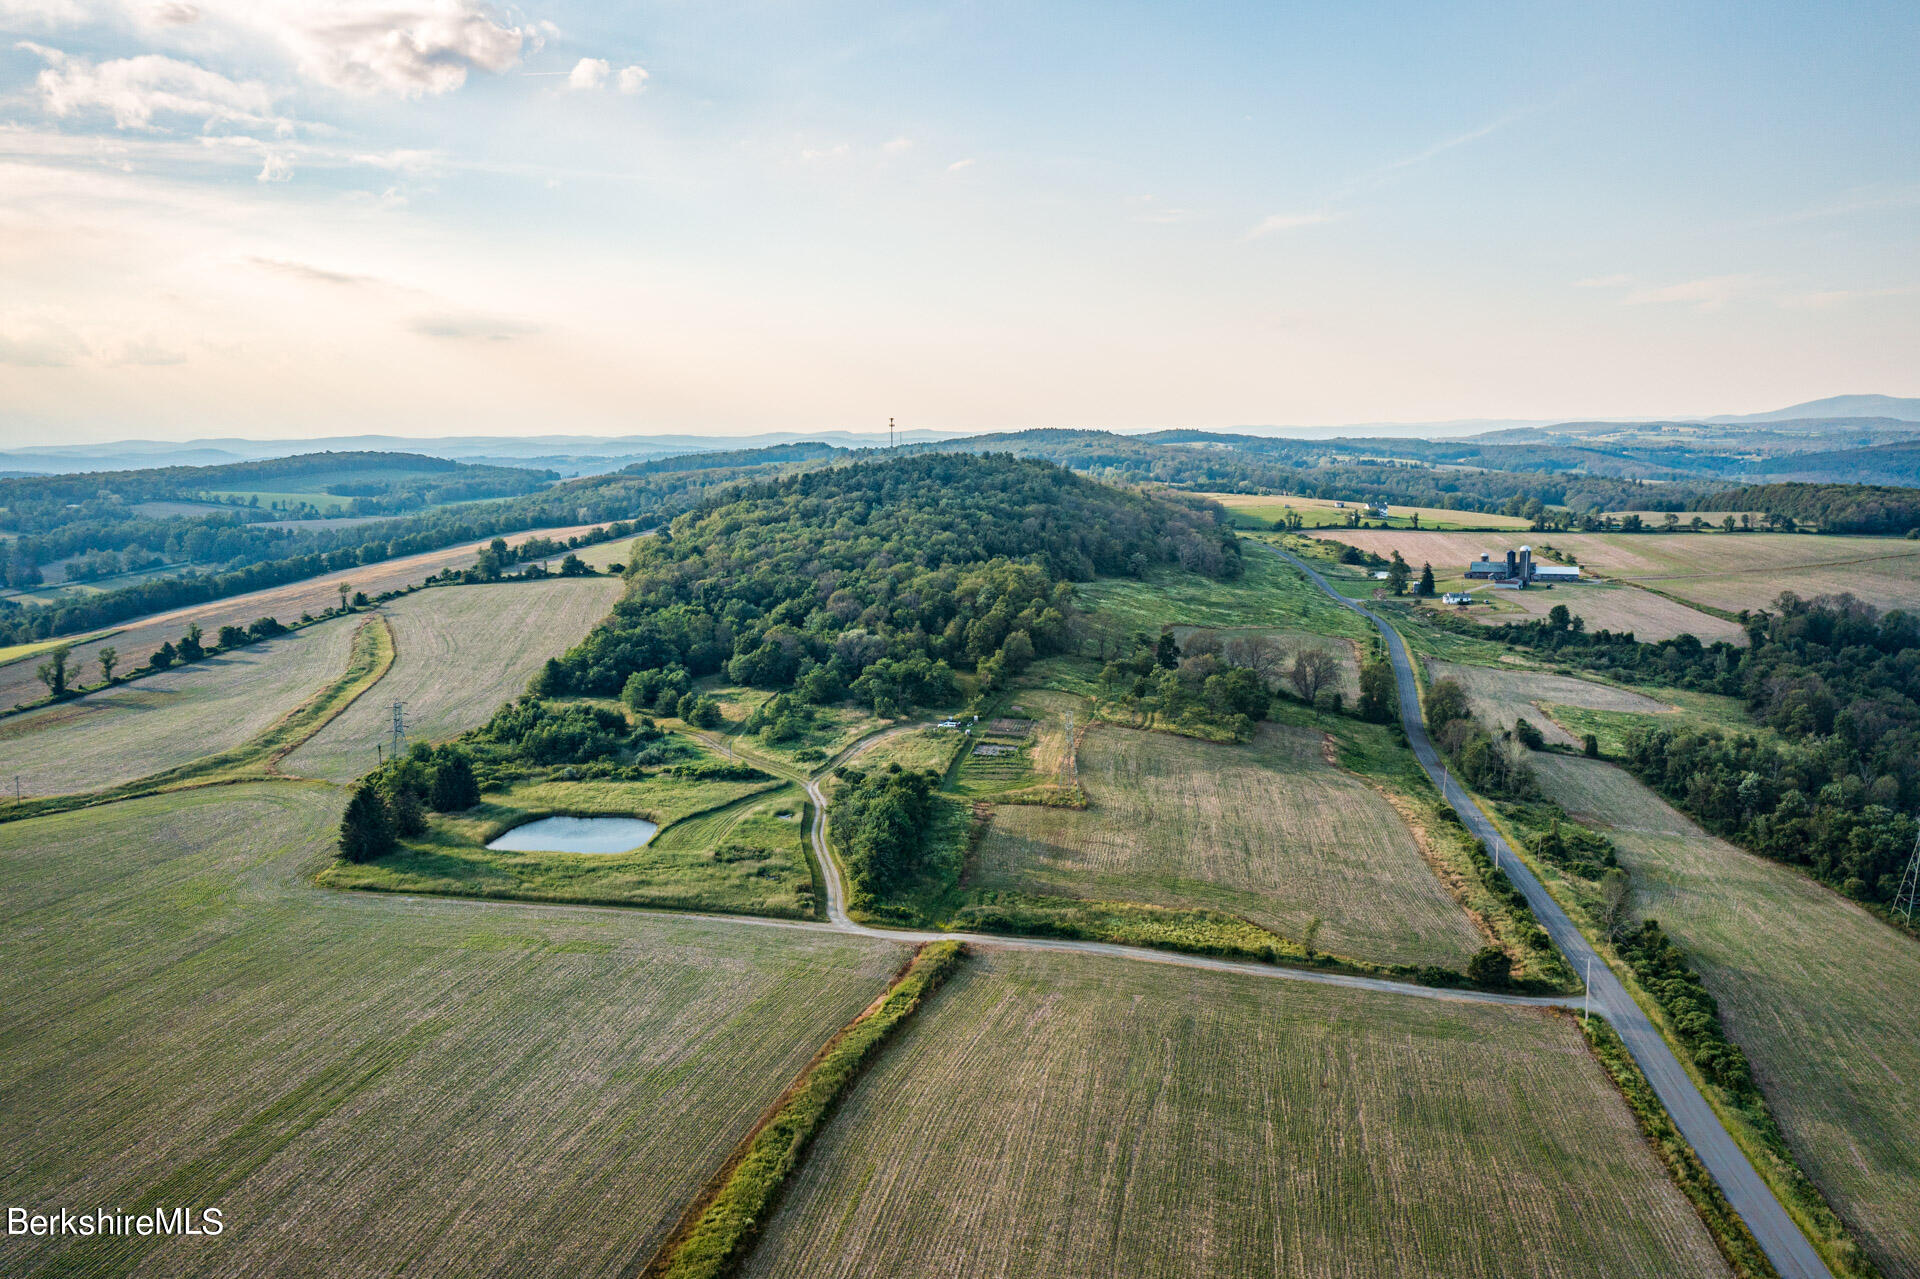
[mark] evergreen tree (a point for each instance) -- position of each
(454, 786)
(366, 829)
(1397, 573)
(1426, 582)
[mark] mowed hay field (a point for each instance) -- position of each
(1729, 571)
(1057, 1116)
(1500, 696)
(173, 718)
(138, 638)
(460, 651)
(367, 1084)
(1271, 594)
(1824, 998)
(1267, 831)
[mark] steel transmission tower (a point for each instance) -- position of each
(1907, 900)
(399, 727)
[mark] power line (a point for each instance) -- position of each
(1907, 900)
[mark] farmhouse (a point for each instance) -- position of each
(1456, 597)
(1518, 571)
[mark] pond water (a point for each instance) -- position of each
(577, 835)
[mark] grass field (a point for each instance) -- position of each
(172, 718)
(1260, 511)
(1728, 571)
(366, 1083)
(1062, 1116)
(139, 637)
(1271, 594)
(1269, 832)
(462, 651)
(1823, 997)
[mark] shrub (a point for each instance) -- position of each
(366, 829)
(1490, 966)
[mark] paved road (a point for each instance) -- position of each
(1770, 1223)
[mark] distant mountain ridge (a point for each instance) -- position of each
(1902, 409)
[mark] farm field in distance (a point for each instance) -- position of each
(162, 721)
(1261, 510)
(1823, 997)
(1074, 1116)
(1500, 695)
(358, 1078)
(137, 638)
(460, 651)
(1728, 571)
(1268, 831)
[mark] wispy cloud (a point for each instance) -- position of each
(134, 91)
(471, 328)
(1275, 223)
(958, 165)
(310, 273)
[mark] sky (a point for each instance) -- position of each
(277, 218)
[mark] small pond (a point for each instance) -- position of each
(577, 835)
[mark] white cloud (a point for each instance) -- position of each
(897, 146)
(1275, 223)
(588, 73)
(632, 79)
(825, 153)
(174, 13)
(958, 165)
(406, 47)
(275, 168)
(135, 90)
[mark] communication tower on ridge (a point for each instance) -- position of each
(890, 443)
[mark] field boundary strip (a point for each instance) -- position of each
(722, 1223)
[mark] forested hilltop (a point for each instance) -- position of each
(237, 551)
(883, 577)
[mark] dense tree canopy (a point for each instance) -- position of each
(883, 577)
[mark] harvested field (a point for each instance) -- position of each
(1823, 997)
(139, 637)
(173, 718)
(461, 652)
(1062, 1116)
(1729, 571)
(365, 1083)
(1502, 696)
(1261, 510)
(1269, 831)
